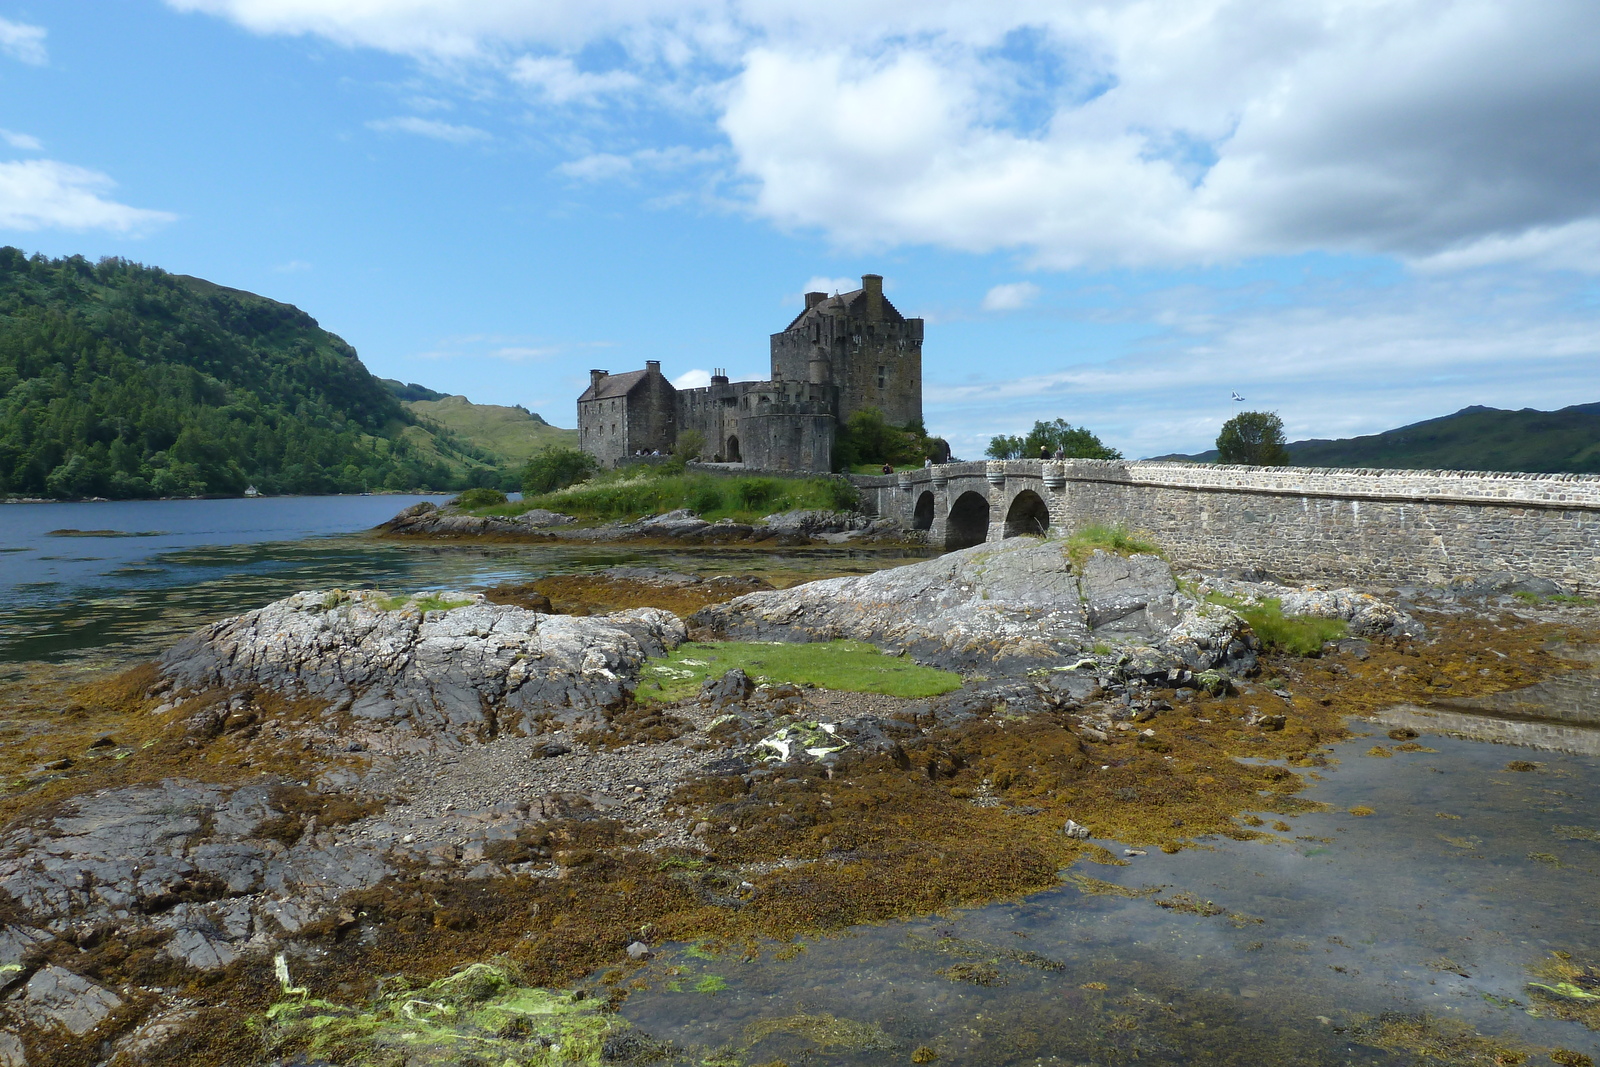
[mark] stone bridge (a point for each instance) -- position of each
(1368, 526)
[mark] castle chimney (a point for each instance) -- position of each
(652, 366)
(872, 284)
(813, 299)
(596, 377)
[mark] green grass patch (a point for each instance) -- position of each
(851, 666)
(425, 603)
(1116, 538)
(1303, 635)
(1553, 598)
(633, 493)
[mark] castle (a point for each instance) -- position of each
(841, 354)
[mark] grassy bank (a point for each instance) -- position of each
(634, 494)
(848, 666)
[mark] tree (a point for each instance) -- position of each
(1058, 435)
(1003, 446)
(556, 468)
(1254, 438)
(867, 438)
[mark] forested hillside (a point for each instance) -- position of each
(1474, 439)
(121, 380)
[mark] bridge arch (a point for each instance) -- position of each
(1028, 514)
(968, 523)
(922, 517)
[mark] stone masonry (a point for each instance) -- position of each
(1359, 525)
(840, 355)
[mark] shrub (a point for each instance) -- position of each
(1116, 539)
(480, 498)
(705, 497)
(755, 494)
(1302, 635)
(556, 468)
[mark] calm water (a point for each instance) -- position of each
(1465, 877)
(139, 574)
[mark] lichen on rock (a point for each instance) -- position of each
(463, 673)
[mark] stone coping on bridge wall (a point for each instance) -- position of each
(1509, 489)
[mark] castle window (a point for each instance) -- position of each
(883, 376)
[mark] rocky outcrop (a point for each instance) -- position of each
(448, 668)
(1363, 613)
(1022, 605)
(1017, 604)
(789, 527)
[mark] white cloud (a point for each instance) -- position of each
(23, 42)
(608, 166)
(1361, 362)
(559, 80)
(1095, 132)
(1010, 297)
(39, 194)
(693, 379)
(294, 266)
(819, 284)
(439, 131)
(21, 141)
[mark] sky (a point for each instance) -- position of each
(1355, 213)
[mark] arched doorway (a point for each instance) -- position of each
(968, 523)
(1027, 515)
(733, 450)
(922, 518)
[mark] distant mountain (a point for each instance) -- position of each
(121, 380)
(1474, 438)
(511, 433)
(404, 391)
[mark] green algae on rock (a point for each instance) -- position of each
(848, 666)
(482, 1009)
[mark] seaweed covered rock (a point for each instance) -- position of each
(449, 666)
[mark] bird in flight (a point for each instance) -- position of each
(1239, 398)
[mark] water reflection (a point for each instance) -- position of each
(1464, 876)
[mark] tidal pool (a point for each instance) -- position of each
(1319, 947)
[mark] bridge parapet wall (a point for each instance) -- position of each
(1361, 525)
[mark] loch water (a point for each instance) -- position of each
(1326, 944)
(1335, 938)
(113, 582)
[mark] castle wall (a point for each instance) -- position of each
(1364, 526)
(603, 429)
(652, 416)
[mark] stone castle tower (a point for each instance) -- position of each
(840, 355)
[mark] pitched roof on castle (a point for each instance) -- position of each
(613, 385)
(853, 303)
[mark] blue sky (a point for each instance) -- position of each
(1355, 214)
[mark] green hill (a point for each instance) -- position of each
(1474, 438)
(121, 380)
(512, 433)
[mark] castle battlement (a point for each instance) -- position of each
(842, 354)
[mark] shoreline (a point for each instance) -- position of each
(945, 807)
